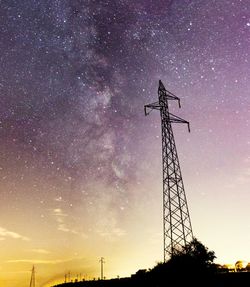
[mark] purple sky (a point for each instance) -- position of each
(80, 165)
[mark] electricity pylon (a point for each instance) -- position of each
(176, 220)
(32, 279)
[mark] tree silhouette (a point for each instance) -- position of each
(193, 261)
(198, 252)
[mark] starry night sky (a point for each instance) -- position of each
(80, 165)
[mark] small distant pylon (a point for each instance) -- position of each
(33, 279)
(102, 262)
(176, 220)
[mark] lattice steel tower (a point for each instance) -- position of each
(176, 220)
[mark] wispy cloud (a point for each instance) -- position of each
(62, 226)
(243, 178)
(247, 159)
(4, 233)
(112, 233)
(50, 262)
(59, 214)
(40, 251)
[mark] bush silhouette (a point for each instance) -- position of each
(193, 261)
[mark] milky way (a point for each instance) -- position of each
(78, 155)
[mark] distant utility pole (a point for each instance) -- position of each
(69, 276)
(102, 262)
(176, 220)
(32, 279)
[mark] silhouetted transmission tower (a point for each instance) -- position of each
(176, 220)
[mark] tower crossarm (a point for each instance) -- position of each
(175, 119)
(172, 118)
(154, 106)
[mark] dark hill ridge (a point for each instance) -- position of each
(236, 279)
(191, 266)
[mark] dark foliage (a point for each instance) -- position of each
(194, 260)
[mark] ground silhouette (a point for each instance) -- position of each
(192, 265)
